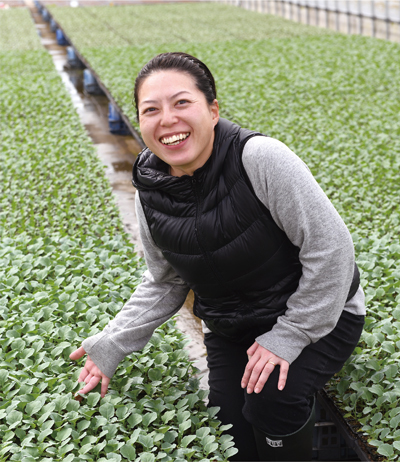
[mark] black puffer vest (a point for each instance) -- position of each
(220, 239)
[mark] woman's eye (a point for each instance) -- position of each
(149, 109)
(182, 101)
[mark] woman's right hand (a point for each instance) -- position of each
(90, 374)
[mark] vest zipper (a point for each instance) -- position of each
(196, 225)
(193, 180)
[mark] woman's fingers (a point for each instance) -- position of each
(93, 382)
(77, 354)
(82, 376)
(248, 371)
(90, 374)
(258, 380)
(283, 375)
(252, 350)
(104, 386)
(90, 385)
(260, 366)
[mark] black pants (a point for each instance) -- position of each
(272, 411)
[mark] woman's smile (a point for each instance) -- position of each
(176, 121)
(174, 140)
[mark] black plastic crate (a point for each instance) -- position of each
(328, 443)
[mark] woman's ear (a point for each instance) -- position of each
(215, 112)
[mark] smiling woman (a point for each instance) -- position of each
(176, 124)
(238, 218)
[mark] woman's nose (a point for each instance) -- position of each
(168, 117)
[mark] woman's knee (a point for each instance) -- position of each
(278, 412)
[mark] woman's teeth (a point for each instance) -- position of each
(174, 139)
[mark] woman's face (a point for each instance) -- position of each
(176, 121)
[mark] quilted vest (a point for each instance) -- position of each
(219, 237)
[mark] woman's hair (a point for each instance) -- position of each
(181, 62)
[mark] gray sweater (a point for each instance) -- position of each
(300, 208)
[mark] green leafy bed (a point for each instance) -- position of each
(105, 27)
(66, 269)
(334, 100)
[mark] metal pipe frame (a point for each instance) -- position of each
(282, 7)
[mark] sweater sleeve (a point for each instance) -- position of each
(159, 296)
(298, 205)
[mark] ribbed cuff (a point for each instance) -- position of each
(284, 341)
(104, 353)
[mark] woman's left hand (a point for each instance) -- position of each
(260, 366)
